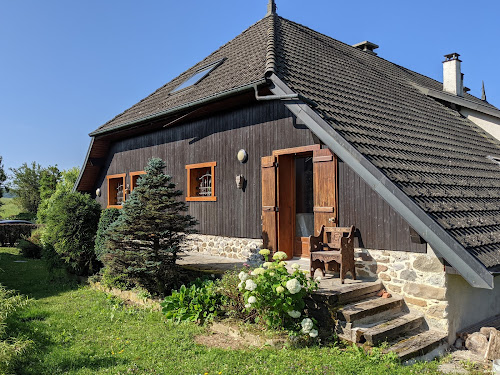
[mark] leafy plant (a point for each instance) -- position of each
(277, 295)
(198, 302)
(26, 186)
(232, 299)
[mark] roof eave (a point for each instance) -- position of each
(455, 254)
(80, 175)
(205, 100)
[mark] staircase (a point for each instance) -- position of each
(357, 314)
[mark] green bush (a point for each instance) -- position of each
(29, 249)
(233, 300)
(198, 302)
(12, 349)
(277, 296)
(71, 226)
(108, 217)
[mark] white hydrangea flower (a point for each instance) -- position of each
(318, 279)
(294, 314)
(313, 332)
(258, 271)
(282, 264)
(307, 325)
(248, 305)
(280, 289)
(250, 285)
(264, 252)
(280, 255)
(295, 266)
(240, 285)
(252, 299)
(293, 286)
(267, 264)
(243, 276)
(271, 274)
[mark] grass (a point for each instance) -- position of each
(9, 208)
(78, 330)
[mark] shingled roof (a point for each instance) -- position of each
(429, 151)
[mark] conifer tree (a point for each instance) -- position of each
(143, 243)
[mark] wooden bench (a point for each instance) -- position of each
(333, 245)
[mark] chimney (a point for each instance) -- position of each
(453, 79)
(271, 8)
(366, 46)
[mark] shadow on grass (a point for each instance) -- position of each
(31, 277)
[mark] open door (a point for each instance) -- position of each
(324, 189)
(269, 203)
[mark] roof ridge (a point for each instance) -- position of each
(271, 45)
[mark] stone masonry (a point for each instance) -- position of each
(246, 249)
(419, 278)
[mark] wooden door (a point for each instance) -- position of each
(324, 189)
(269, 203)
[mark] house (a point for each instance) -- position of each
(284, 129)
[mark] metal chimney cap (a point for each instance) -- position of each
(366, 46)
(452, 56)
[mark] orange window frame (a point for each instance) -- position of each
(133, 179)
(192, 184)
(113, 185)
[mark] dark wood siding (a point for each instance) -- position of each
(259, 129)
(378, 225)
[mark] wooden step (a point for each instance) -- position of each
(371, 310)
(393, 328)
(342, 294)
(426, 346)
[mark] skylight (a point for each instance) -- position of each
(198, 75)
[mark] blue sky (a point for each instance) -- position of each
(67, 67)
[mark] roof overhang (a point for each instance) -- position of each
(436, 236)
(441, 95)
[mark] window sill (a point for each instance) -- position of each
(114, 206)
(201, 199)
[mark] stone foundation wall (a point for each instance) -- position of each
(419, 278)
(246, 249)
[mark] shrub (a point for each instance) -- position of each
(11, 348)
(233, 300)
(198, 302)
(278, 296)
(143, 243)
(108, 217)
(71, 226)
(29, 249)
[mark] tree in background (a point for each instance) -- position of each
(143, 243)
(26, 186)
(3, 177)
(49, 177)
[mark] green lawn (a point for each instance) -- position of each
(82, 331)
(9, 208)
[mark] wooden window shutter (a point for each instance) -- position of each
(269, 207)
(324, 189)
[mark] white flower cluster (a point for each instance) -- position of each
(258, 271)
(243, 276)
(280, 255)
(267, 264)
(295, 266)
(293, 286)
(307, 327)
(250, 285)
(294, 314)
(264, 252)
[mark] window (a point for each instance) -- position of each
(200, 182)
(198, 75)
(116, 190)
(134, 176)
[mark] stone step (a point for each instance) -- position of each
(389, 330)
(423, 346)
(371, 310)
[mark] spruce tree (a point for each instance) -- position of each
(144, 242)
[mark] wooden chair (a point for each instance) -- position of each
(333, 245)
